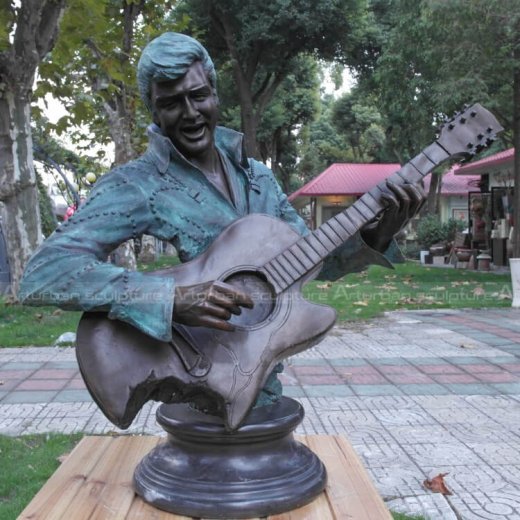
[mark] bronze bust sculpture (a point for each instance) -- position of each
(213, 331)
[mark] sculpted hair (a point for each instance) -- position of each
(168, 57)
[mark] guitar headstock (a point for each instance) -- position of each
(469, 132)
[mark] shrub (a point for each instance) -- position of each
(431, 230)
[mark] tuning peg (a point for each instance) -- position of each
(480, 137)
(473, 113)
(451, 126)
(489, 130)
(462, 120)
(470, 145)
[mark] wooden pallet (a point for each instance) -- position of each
(95, 482)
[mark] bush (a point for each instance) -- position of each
(431, 230)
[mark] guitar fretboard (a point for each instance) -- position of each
(309, 251)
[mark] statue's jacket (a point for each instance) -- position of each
(163, 195)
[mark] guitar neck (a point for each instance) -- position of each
(308, 252)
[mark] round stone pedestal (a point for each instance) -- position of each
(204, 471)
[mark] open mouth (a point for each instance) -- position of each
(194, 132)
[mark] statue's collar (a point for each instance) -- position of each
(162, 150)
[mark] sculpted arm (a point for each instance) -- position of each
(70, 269)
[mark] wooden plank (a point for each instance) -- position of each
(350, 491)
(140, 510)
(95, 482)
(61, 489)
(107, 492)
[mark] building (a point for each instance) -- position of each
(494, 201)
(341, 184)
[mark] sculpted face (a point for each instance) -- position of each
(186, 111)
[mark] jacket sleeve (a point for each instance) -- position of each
(70, 268)
(351, 257)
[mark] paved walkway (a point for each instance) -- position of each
(416, 393)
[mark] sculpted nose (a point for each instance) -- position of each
(189, 111)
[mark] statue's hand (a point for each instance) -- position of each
(209, 304)
(402, 203)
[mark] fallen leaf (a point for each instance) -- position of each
(38, 316)
(360, 304)
(478, 291)
(2, 383)
(324, 286)
(467, 345)
(57, 312)
(350, 285)
(62, 458)
(439, 288)
(437, 484)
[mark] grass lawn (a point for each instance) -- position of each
(27, 463)
(356, 296)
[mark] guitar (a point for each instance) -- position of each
(222, 371)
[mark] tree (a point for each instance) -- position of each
(92, 71)
(429, 58)
(33, 25)
(261, 39)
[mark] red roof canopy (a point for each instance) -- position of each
(484, 165)
(356, 179)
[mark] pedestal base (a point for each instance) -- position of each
(204, 471)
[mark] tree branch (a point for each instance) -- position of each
(49, 22)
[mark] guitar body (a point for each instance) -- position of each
(222, 371)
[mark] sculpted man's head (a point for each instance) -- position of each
(177, 82)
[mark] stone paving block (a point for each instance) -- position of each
(16, 365)
(299, 360)
(28, 396)
(42, 384)
(7, 385)
(424, 389)
(454, 378)
(491, 431)
(469, 479)
(360, 369)
(67, 373)
(76, 384)
(320, 380)
(326, 390)
(497, 453)
(397, 481)
(409, 379)
(482, 368)
(420, 434)
(366, 379)
(431, 506)
(498, 505)
(473, 388)
(312, 369)
(57, 425)
(52, 365)
(507, 388)
(13, 426)
(15, 374)
(406, 417)
(348, 362)
(69, 410)
(499, 377)
(76, 396)
(433, 454)
(382, 455)
(381, 390)
(293, 391)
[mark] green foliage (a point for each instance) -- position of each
(27, 463)
(92, 68)
(39, 326)
(411, 286)
(48, 219)
(431, 230)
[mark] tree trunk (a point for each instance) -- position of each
(516, 143)
(18, 189)
(433, 191)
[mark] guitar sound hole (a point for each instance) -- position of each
(260, 292)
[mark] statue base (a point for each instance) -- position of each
(202, 470)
